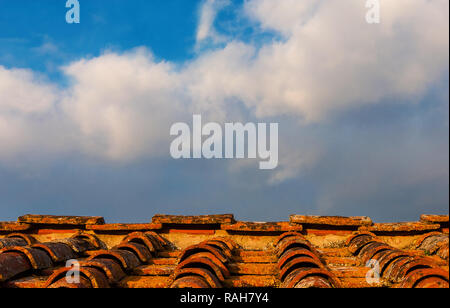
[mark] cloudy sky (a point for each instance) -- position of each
(86, 109)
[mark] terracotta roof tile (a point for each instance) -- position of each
(435, 218)
(262, 227)
(193, 220)
(401, 227)
(217, 251)
(331, 220)
(60, 220)
(397, 267)
(13, 226)
(125, 227)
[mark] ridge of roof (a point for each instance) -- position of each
(61, 220)
(212, 251)
(227, 222)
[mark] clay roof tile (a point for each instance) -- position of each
(212, 251)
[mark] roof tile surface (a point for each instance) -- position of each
(217, 251)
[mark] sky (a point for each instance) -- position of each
(86, 109)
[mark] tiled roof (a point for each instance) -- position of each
(218, 251)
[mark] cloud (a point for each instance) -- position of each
(47, 48)
(208, 12)
(324, 61)
(284, 16)
(23, 92)
(27, 112)
(401, 168)
(333, 60)
(123, 105)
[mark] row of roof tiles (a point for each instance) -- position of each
(211, 263)
(227, 222)
(149, 259)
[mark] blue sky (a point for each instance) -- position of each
(29, 25)
(85, 109)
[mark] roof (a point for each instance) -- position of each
(217, 251)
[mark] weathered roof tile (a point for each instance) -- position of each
(61, 220)
(125, 227)
(193, 220)
(331, 220)
(435, 218)
(216, 251)
(262, 227)
(14, 226)
(401, 227)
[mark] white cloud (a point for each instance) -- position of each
(23, 92)
(208, 13)
(123, 104)
(284, 16)
(329, 60)
(27, 111)
(294, 161)
(47, 48)
(334, 60)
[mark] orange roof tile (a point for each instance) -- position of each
(217, 251)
